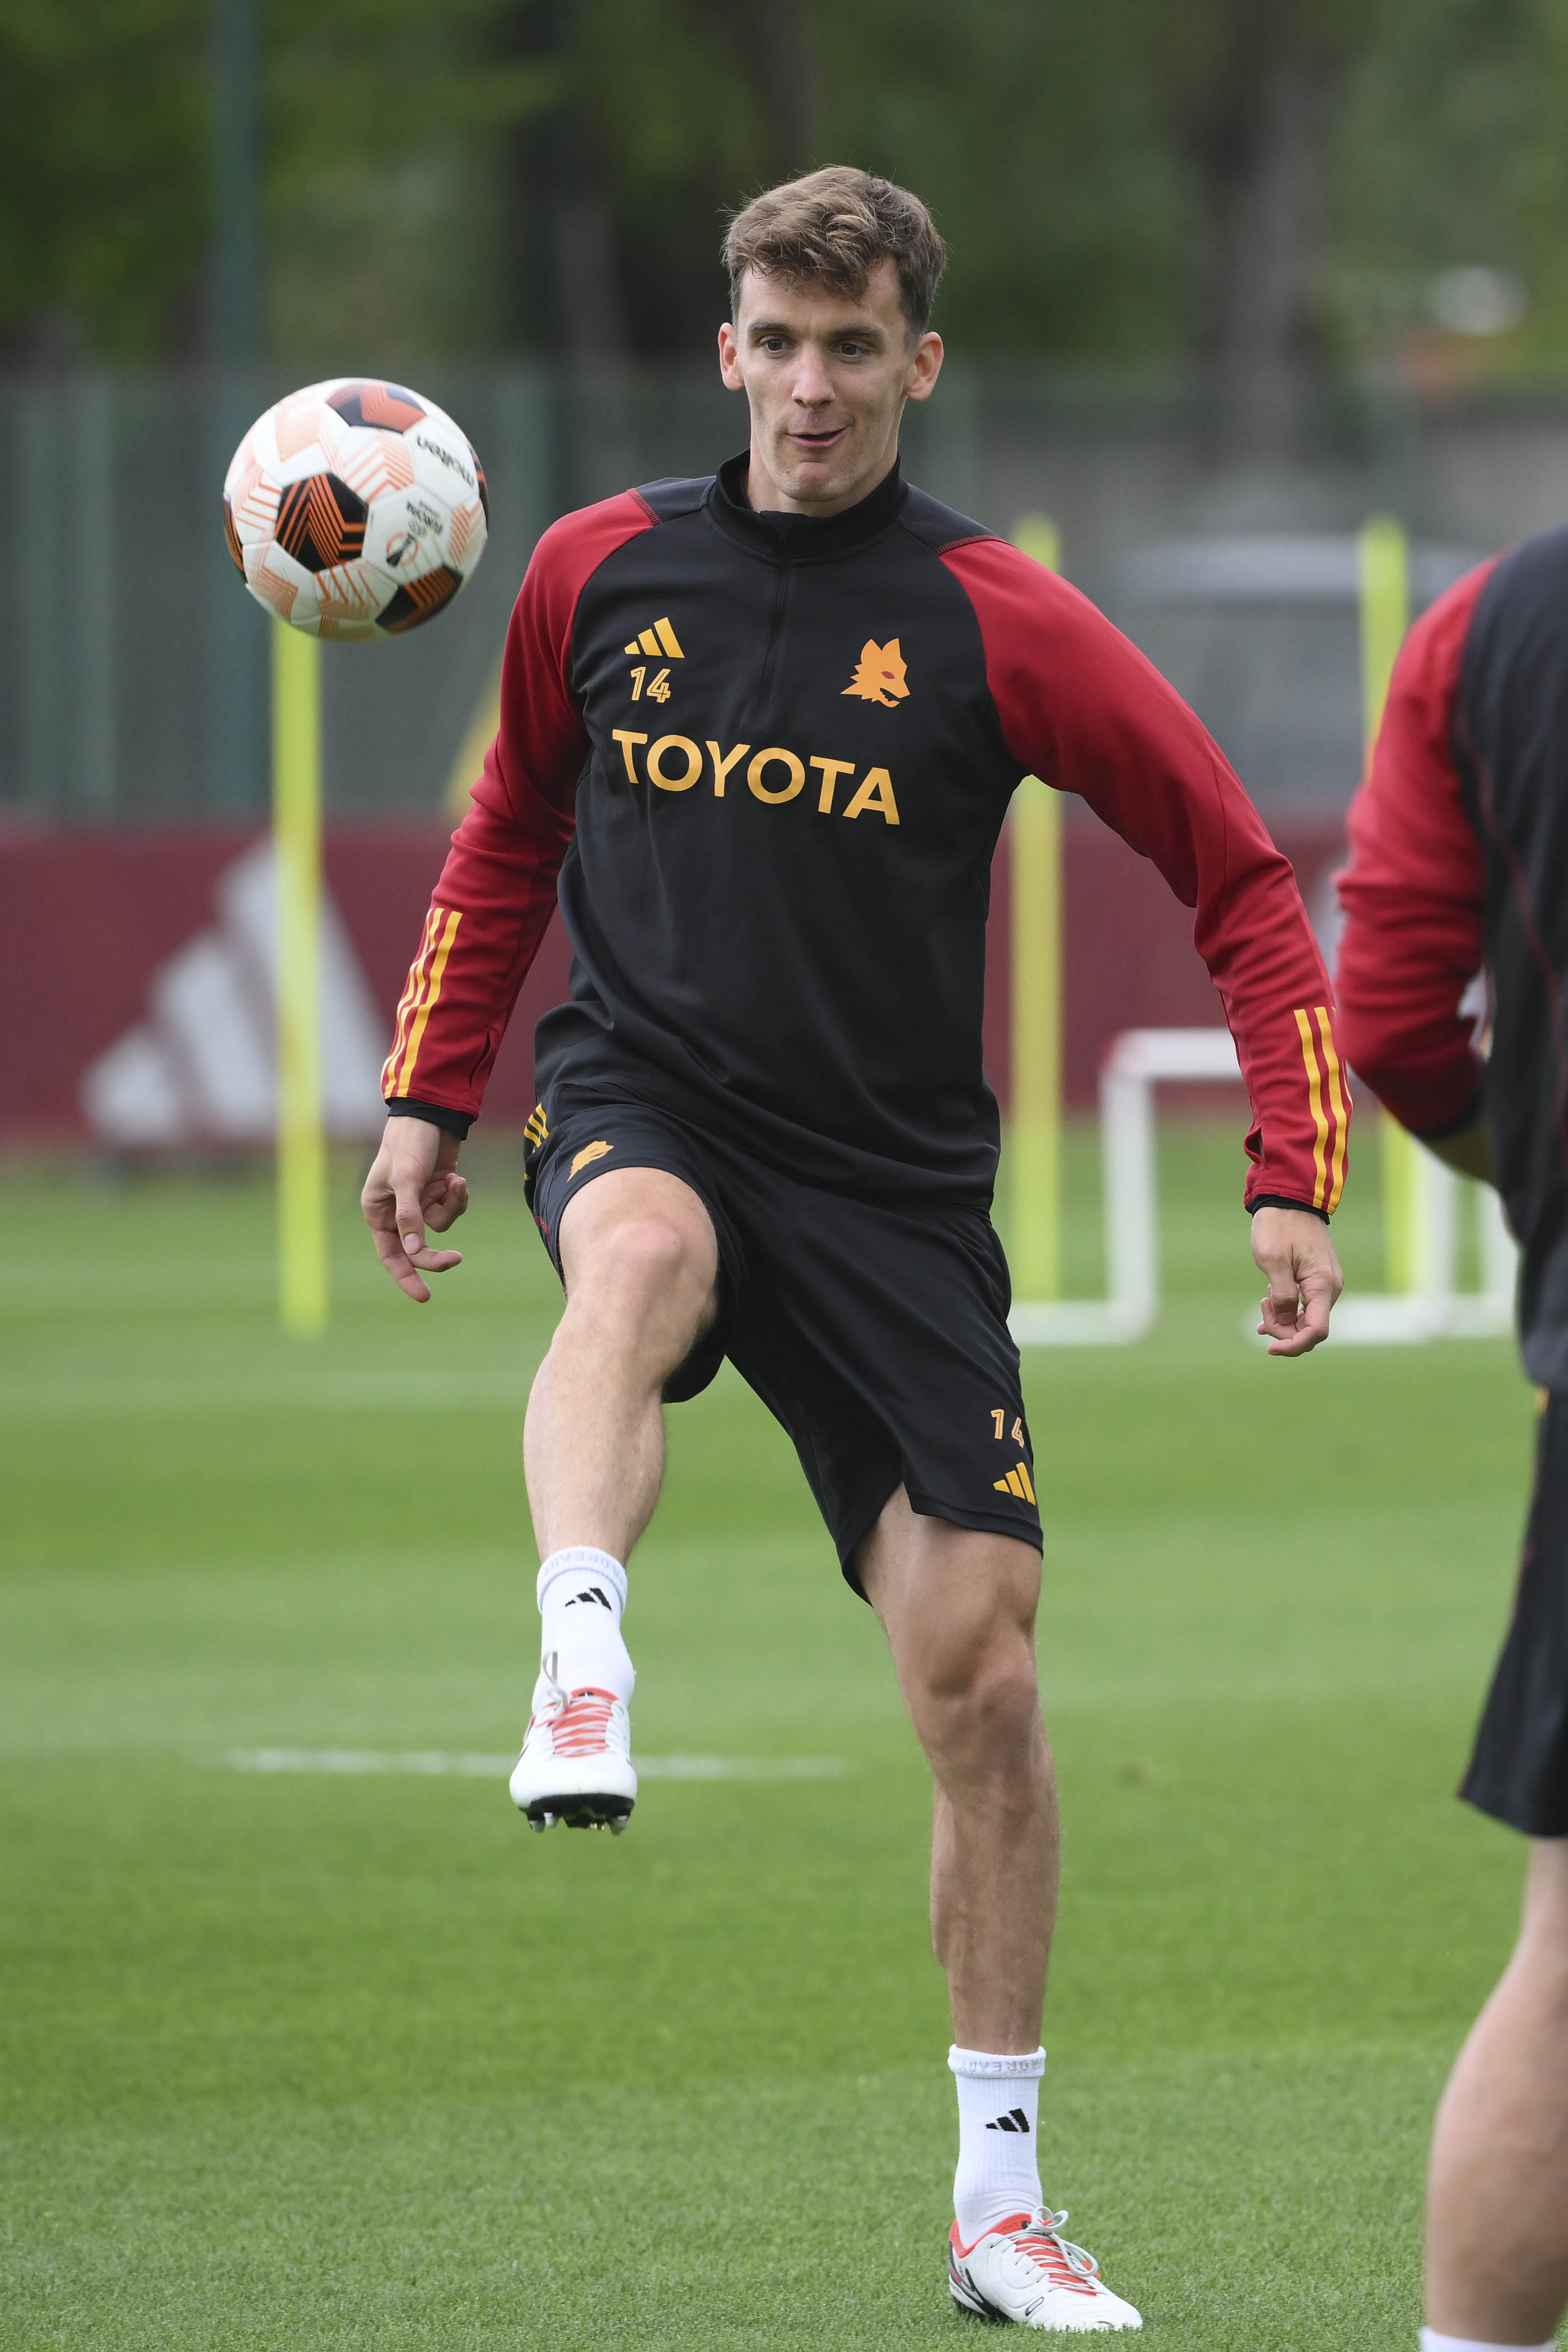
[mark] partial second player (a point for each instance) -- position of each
(759, 733)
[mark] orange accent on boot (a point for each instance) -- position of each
(583, 1723)
(998, 2229)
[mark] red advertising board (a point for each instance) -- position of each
(88, 921)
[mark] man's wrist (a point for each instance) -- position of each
(456, 1123)
(1279, 1200)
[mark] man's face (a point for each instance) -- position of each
(826, 375)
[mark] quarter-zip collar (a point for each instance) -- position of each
(801, 539)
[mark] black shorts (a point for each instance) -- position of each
(875, 1332)
(1519, 1772)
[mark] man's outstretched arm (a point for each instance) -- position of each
(1083, 708)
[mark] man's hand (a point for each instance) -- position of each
(413, 1182)
(1293, 1249)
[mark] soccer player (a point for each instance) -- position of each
(758, 736)
(1459, 840)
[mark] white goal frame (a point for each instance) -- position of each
(1139, 1060)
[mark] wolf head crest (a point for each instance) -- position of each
(879, 674)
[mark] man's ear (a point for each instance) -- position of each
(925, 367)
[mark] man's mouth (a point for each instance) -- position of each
(820, 438)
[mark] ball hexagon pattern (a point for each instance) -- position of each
(355, 509)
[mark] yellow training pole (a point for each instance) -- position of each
(1035, 1137)
(1384, 569)
(297, 853)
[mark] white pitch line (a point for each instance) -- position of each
(435, 1763)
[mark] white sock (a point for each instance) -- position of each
(998, 2118)
(1432, 2342)
(581, 1593)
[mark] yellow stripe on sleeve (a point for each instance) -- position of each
(431, 995)
(1339, 1097)
(1315, 1093)
(406, 1003)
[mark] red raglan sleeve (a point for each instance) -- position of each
(1083, 709)
(497, 891)
(1412, 893)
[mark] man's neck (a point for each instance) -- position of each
(765, 495)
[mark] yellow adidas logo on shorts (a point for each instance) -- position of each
(1017, 1482)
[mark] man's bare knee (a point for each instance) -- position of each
(959, 1611)
(987, 1702)
(644, 1265)
(641, 1259)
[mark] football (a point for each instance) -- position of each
(355, 509)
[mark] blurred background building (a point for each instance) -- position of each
(1225, 281)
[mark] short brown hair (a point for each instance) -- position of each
(831, 229)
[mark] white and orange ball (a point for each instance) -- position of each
(355, 509)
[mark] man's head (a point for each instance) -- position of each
(832, 279)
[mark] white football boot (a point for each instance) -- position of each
(1025, 2269)
(576, 1763)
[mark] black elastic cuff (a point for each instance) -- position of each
(1450, 1126)
(456, 1123)
(1278, 1201)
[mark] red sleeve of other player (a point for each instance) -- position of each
(497, 890)
(1083, 709)
(1414, 936)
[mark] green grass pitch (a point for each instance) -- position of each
(291, 2060)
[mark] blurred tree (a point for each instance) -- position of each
(683, 108)
(382, 123)
(381, 118)
(1266, 185)
(103, 196)
(1449, 152)
(1034, 137)
(1034, 134)
(1250, 89)
(560, 271)
(687, 106)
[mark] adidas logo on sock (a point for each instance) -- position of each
(593, 1594)
(1016, 2120)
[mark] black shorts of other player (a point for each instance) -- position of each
(1519, 1772)
(875, 1333)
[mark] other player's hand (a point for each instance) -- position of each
(1468, 1150)
(1293, 1250)
(414, 1182)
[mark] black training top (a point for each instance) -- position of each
(768, 757)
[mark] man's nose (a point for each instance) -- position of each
(813, 386)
